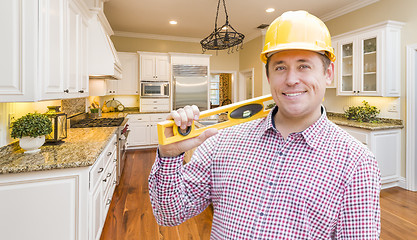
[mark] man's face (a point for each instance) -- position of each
(298, 82)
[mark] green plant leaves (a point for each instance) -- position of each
(31, 125)
(365, 113)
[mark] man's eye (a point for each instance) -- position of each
(304, 66)
(279, 68)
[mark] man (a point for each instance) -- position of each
(291, 175)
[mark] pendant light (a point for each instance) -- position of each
(224, 37)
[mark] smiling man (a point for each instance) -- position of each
(291, 175)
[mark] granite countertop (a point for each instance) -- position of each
(384, 123)
(81, 148)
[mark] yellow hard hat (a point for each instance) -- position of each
(297, 30)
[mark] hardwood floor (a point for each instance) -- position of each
(130, 213)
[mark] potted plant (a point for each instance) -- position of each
(31, 130)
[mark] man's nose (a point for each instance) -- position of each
(292, 77)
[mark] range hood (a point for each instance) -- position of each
(103, 62)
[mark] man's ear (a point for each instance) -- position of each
(329, 74)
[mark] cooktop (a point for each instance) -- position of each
(97, 122)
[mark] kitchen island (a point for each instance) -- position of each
(62, 192)
(81, 148)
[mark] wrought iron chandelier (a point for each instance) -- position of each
(224, 37)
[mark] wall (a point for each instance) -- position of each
(219, 61)
(398, 10)
(12, 111)
(249, 57)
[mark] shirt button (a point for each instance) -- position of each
(261, 214)
(271, 183)
(280, 153)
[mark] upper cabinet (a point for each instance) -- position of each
(128, 85)
(44, 50)
(154, 67)
(368, 61)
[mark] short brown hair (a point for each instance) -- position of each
(326, 62)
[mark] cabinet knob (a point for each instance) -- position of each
(81, 91)
(109, 153)
(100, 170)
(108, 201)
(66, 91)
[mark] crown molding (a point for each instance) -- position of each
(347, 9)
(156, 36)
(174, 38)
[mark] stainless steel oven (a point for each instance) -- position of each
(154, 89)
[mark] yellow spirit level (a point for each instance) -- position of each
(237, 113)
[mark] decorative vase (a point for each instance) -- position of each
(31, 144)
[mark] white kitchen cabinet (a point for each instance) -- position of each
(102, 183)
(70, 203)
(154, 105)
(36, 50)
(128, 85)
(386, 146)
(77, 83)
(143, 129)
(154, 67)
(111, 87)
(368, 61)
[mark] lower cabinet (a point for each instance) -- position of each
(65, 204)
(386, 146)
(143, 129)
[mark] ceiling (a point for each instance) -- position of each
(196, 17)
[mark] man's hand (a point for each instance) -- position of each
(183, 118)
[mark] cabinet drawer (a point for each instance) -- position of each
(97, 171)
(155, 108)
(158, 117)
(108, 193)
(152, 101)
(139, 118)
(108, 171)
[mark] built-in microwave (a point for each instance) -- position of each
(154, 89)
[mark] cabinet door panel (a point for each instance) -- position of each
(53, 47)
(96, 213)
(51, 202)
(139, 134)
(162, 68)
(147, 68)
(129, 83)
(11, 82)
(74, 52)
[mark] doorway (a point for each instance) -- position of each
(222, 88)
(246, 84)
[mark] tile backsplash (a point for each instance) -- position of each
(73, 106)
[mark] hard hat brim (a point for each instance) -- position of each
(329, 52)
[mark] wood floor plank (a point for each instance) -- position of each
(130, 214)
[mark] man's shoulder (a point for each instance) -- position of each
(343, 139)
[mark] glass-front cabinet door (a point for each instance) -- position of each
(369, 65)
(369, 75)
(345, 77)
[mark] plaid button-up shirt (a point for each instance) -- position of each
(320, 183)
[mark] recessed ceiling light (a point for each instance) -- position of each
(269, 10)
(172, 22)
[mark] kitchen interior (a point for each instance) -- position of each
(108, 71)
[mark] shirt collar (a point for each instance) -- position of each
(310, 134)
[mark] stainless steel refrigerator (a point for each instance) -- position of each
(190, 86)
